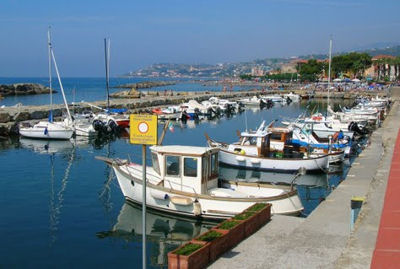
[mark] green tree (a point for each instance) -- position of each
(311, 70)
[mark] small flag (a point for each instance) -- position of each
(171, 127)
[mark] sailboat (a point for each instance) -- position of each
(50, 129)
(110, 120)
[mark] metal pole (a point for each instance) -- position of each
(329, 69)
(144, 207)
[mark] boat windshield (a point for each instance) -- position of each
(156, 165)
(190, 167)
(172, 164)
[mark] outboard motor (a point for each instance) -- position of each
(288, 100)
(98, 125)
(112, 126)
(184, 116)
(353, 126)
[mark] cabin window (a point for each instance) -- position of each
(156, 165)
(249, 141)
(275, 137)
(190, 167)
(172, 164)
(214, 164)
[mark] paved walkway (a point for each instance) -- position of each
(324, 239)
(387, 248)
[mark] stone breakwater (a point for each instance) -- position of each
(23, 89)
(11, 116)
(146, 84)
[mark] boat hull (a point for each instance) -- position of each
(318, 164)
(47, 130)
(161, 199)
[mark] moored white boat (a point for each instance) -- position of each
(184, 180)
(47, 130)
(257, 151)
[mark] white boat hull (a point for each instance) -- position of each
(211, 207)
(318, 164)
(47, 130)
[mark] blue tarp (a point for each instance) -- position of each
(117, 110)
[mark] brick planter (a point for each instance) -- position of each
(263, 215)
(219, 245)
(195, 260)
(235, 234)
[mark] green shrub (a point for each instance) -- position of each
(244, 215)
(228, 224)
(256, 207)
(210, 236)
(188, 249)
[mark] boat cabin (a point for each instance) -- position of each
(265, 142)
(186, 168)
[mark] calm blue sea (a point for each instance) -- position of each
(91, 89)
(61, 208)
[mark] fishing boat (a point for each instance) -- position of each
(284, 138)
(168, 113)
(184, 180)
(254, 151)
(306, 137)
(292, 96)
(253, 101)
(49, 129)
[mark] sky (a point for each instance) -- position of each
(182, 31)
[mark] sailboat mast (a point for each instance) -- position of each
(329, 69)
(61, 86)
(107, 61)
(50, 86)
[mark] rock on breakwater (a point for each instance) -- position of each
(23, 89)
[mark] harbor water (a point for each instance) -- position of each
(62, 208)
(94, 89)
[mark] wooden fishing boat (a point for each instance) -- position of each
(184, 180)
(254, 151)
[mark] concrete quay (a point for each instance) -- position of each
(324, 239)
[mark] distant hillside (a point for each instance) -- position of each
(235, 69)
(394, 51)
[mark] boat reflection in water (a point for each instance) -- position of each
(231, 173)
(164, 232)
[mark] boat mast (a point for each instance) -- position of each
(59, 81)
(329, 69)
(50, 86)
(107, 61)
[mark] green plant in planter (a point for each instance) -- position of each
(244, 215)
(210, 236)
(188, 249)
(257, 207)
(228, 224)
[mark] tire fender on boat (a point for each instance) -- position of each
(159, 195)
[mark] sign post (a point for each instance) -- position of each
(143, 130)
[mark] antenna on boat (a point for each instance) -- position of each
(50, 86)
(329, 69)
(107, 61)
(245, 118)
